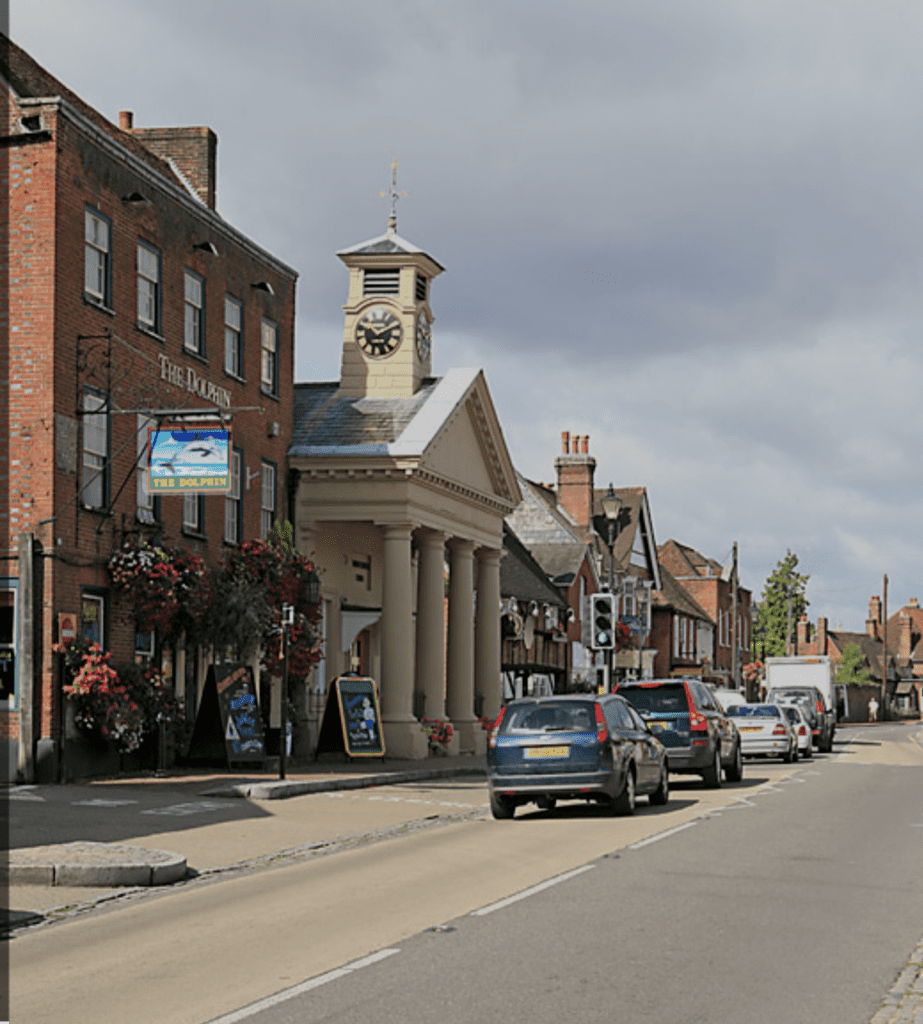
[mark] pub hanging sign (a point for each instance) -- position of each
(183, 460)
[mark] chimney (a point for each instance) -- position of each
(821, 636)
(905, 637)
(575, 479)
(913, 603)
(873, 622)
(193, 152)
(802, 634)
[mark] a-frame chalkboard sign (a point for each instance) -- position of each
(352, 720)
(228, 727)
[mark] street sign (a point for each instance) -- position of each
(188, 461)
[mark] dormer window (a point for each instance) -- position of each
(381, 282)
(421, 288)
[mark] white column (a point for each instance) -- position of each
(431, 622)
(460, 659)
(487, 642)
(403, 736)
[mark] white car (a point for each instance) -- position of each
(764, 730)
(802, 727)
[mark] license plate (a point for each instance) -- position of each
(535, 753)
(749, 728)
(659, 726)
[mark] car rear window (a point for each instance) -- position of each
(666, 699)
(755, 711)
(570, 716)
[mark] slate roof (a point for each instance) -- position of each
(522, 577)
(542, 527)
(328, 423)
(386, 244)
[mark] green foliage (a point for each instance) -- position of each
(773, 613)
(851, 669)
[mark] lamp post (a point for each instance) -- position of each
(288, 619)
(612, 507)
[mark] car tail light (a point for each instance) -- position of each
(819, 707)
(602, 733)
(779, 730)
(697, 721)
(492, 738)
(802, 730)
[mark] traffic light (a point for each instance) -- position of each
(602, 616)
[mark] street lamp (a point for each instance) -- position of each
(612, 507)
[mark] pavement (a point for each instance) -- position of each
(103, 865)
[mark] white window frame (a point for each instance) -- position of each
(194, 312)
(95, 454)
(145, 500)
(193, 513)
(97, 255)
(233, 336)
(100, 602)
(233, 506)
(149, 287)
(268, 498)
(269, 357)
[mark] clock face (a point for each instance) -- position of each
(424, 335)
(378, 332)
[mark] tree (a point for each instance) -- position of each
(773, 615)
(851, 669)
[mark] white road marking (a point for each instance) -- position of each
(100, 802)
(190, 808)
(662, 835)
(305, 986)
(531, 891)
(23, 793)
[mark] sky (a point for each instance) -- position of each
(691, 231)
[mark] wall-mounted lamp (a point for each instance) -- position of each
(205, 247)
(272, 428)
(263, 286)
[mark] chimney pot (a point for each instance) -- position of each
(585, 444)
(126, 120)
(565, 442)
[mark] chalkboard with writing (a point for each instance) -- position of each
(352, 720)
(228, 726)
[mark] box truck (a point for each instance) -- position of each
(809, 681)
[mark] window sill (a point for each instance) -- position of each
(150, 332)
(269, 394)
(193, 534)
(234, 376)
(100, 510)
(91, 300)
(191, 352)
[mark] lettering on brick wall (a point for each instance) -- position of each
(186, 377)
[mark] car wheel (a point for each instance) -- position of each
(809, 752)
(712, 775)
(662, 793)
(736, 772)
(548, 803)
(624, 804)
(501, 807)
(788, 756)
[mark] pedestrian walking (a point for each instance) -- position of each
(873, 710)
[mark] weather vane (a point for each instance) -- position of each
(394, 195)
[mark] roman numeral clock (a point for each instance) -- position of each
(388, 336)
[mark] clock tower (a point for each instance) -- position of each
(387, 332)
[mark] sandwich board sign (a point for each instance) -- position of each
(352, 719)
(228, 726)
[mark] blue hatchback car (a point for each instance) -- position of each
(576, 747)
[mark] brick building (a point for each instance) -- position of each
(709, 650)
(128, 295)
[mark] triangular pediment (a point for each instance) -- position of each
(468, 447)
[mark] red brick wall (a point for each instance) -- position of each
(50, 183)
